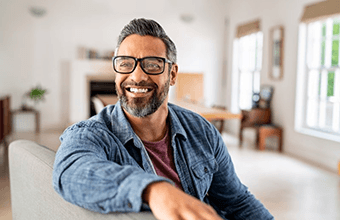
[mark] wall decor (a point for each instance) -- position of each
(276, 52)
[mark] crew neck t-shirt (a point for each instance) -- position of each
(161, 155)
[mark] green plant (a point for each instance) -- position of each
(36, 94)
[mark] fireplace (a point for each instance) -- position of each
(100, 88)
(82, 73)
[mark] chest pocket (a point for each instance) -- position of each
(203, 174)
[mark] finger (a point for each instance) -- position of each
(200, 212)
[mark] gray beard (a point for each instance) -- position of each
(137, 106)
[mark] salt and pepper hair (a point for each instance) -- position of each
(143, 27)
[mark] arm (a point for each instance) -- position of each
(227, 192)
(84, 176)
(169, 203)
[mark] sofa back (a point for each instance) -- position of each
(32, 193)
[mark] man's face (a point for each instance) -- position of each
(141, 94)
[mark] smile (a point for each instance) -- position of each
(135, 90)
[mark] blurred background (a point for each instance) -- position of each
(240, 47)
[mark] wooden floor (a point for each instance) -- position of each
(289, 188)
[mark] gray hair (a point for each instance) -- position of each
(143, 27)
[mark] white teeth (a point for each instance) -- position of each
(135, 90)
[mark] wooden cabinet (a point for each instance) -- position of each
(5, 118)
(189, 87)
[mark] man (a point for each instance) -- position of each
(145, 153)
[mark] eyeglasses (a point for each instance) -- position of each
(150, 65)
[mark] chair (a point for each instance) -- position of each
(254, 119)
(98, 104)
(260, 120)
(32, 193)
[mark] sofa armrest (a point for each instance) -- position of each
(32, 193)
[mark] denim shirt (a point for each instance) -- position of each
(102, 165)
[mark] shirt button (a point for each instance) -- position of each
(129, 205)
(205, 170)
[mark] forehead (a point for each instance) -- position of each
(142, 46)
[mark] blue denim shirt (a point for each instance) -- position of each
(102, 165)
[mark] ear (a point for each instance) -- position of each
(173, 74)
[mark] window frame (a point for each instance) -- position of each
(236, 86)
(303, 74)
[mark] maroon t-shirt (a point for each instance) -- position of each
(162, 158)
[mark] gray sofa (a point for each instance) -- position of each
(32, 193)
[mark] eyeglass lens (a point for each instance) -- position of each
(151, 65)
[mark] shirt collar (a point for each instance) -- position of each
(120, 125)
(175, 123)
(122, 129)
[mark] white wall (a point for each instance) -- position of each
(287, 13)
(37, 50)
(16, 49)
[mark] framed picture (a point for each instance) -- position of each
(276, 53)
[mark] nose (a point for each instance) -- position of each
(138, 74)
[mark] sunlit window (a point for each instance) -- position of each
(247, 65)
(318, 87)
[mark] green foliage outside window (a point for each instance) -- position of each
(323, 48)
(335, 44)
(323, 44)
(335, 52)
(335, 59)
(335, 55)
(336, 27)
(330, 84)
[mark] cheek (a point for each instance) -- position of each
(160, 80)
(119, 81)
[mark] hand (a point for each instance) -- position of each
(169, 203)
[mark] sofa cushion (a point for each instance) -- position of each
(32, 193)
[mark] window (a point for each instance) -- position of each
(247, 64)
(318, 83)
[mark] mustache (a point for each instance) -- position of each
(141, 83)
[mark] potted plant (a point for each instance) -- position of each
(36, 94)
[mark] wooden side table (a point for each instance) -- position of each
(30, 111)
(266, 131)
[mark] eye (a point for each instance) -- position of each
(125, 64)
(152, 66)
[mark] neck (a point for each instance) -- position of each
(152, 127)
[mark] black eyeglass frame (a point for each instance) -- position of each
(140, 61)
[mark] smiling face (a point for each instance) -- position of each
(141, 94)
